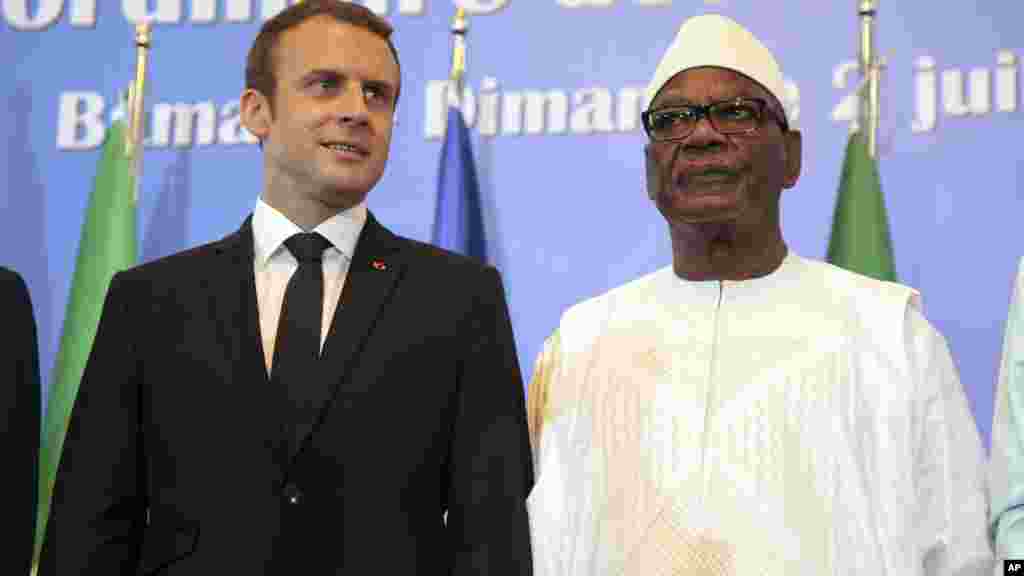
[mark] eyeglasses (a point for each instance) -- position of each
(737, 116)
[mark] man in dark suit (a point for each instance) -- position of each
(311, 394)
(19, 424)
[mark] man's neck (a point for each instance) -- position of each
(719, 251)
(300, 213)
(302, 207)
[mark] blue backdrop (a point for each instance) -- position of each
(554, 105)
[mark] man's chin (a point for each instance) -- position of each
(349, 177)
(348, 184)
(343, 195)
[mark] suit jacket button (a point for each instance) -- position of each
(292, 494)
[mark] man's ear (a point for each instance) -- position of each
(256, 114)
(652, 175)
(794, 157)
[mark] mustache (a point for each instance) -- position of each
(684, 168)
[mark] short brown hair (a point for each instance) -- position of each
(259, 65)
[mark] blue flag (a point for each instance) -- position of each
(458, 221)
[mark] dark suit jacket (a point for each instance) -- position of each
(19, 424)
(177, 461)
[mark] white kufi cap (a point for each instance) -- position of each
(714, 40)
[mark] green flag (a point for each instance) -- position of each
(107, 245)
(860, 228)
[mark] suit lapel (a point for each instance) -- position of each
(372, 276)
(234, 306)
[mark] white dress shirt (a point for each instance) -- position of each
(274, 264)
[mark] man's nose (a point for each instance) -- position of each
(350, 105)
(704, 137)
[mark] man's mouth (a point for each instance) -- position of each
(346, 147)
(707, 176)
(712, 176)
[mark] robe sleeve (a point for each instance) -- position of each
(1007, 459)
(951, 489)
(551, 531)
(538, 394)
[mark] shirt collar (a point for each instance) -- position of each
(788, 271)
(271, 228)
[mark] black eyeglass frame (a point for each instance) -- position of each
(704, 111)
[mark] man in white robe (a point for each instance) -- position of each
(1007, 460)
(746, 410)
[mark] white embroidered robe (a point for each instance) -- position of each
(807, 422)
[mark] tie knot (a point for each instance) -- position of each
(307, 246)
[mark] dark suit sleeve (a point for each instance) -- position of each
(490, 467)
(19, 425)
(98, 509)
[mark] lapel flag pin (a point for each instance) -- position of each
(378, 265)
